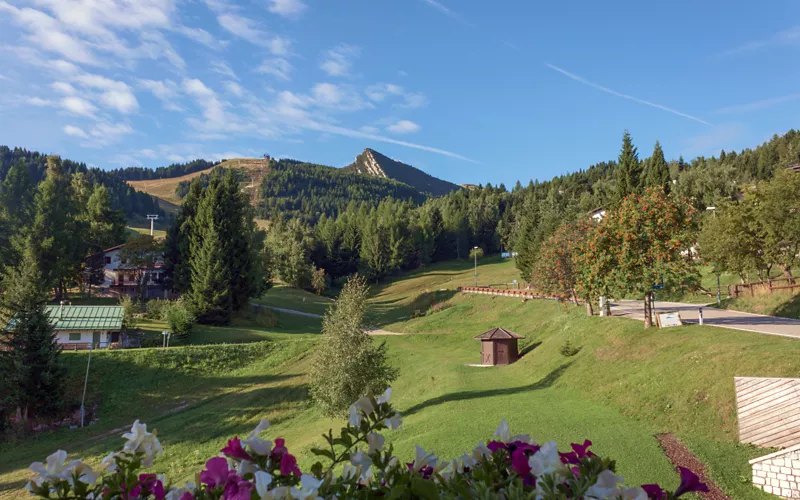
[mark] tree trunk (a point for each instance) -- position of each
(648, 310)
(787, 272)
(589, 311)
(574, 298)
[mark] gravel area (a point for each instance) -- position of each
(679, 455)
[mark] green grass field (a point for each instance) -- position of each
(624, 385)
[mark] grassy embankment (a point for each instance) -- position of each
(625, 385)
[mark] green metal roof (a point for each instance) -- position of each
(85, 317)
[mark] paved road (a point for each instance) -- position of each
(723, 318)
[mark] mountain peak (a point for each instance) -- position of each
(373, 163)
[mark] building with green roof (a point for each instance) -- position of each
(80, 327)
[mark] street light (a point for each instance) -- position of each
(475, 253)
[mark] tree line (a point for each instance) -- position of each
(123, 197)
(172, 170)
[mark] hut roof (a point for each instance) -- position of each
(498, 334)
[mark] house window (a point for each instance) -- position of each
(108, 260)
(75, 337)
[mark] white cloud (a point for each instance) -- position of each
(216, 120)
(757, 105)
(177, 158)
(280, 46)
(414, 100)
(46, 33)
(78, 106)
(369, 129)
(104, 134)
(115, 94)
(63, 88)
(223, 69)
(200, 36)
(164, 90)
(287, 8)
(278, 67)
(39, 102)
(343, 98)
(75, 131)
(149, 153)
(242, 27)
(234, 88)
(339, 60)
(403, 127)
(624, 96)
(448, 12)
(381, 91)
(785, 37)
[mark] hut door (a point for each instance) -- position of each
(486, 353)
(502, 353)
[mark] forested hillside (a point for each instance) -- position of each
(370, 162)
(123, 197)
(173, 170)
(291, 188)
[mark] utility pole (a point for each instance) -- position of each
(152, 219)
(85, 382)
(475, 253)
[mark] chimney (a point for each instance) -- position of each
(60, 309)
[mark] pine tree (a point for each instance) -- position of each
(210, 296)
(16, 211)
(629, 170)
(30, 364)
(57, 228)
(347, 364)
(177, 252)
(658, 171)
(106, 225)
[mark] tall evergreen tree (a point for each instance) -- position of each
(56, 226)
(31, 372)
(658, 171)
(16, 210)
(106, 225)
(629, 170)
(177, 253)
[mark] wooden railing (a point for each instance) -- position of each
(768, 286)
(523, 294)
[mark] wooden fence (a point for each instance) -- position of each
(522, 294)
(768, 410)
(768, 286)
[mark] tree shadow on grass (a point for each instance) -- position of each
(528, 348)
(790, 309)
(544, 383)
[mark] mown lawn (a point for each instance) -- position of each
(624, 385)
(289, 297)
(785, 304)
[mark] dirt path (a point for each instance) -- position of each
(288, 311)
(378, 332)
(680, 456)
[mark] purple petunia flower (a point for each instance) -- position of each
(582, 450)
(689, 482)
(654, 492)
(216, 472)
(238, 489)
(148, 484)
(289, 465)
(235, 450)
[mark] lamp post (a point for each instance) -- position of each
(475, 253)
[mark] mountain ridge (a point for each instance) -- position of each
(375, 164)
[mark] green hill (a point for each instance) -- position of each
(372, 163)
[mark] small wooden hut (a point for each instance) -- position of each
(499, 347)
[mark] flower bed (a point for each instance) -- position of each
(358, 464)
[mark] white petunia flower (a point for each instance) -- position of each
(141, 441)
(423, 459)
(375, 442)
(55, 468)
(263, 480)
(525, 438)
(361, 459)
(254, 444)
(607, 486)
(85, 474)
(395, 422)
(385, 397)
(280, 493)
(246, 467)
(503, 433)
(633, 494)
(309, 485)
(177, 493)
(546, 460)
(480, 452)
(261, 427)
(355, 416)
(109, 463)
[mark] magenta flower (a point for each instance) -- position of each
(582, 450)
(237, 489)
(278, 450)
(148, 484)
(654, 492)
(496, 445)
(216, 473)
(569, 458)
(235, 450)
(289, 465)
(519, 462)
(689, 482)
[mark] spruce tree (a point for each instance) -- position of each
(106, 226)
(629, 169)
(658, 171)
(57, 228)
(16, 211)
(348, 364)
(30, 366)
(177, 253)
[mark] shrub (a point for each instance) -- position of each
(568, 350)
(261, 317)
(347, 363)
(130, 312)
(358, 466)
(319, 281)
(181, 321)
(156, 308)
(439, 306)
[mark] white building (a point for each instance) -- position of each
(119, 278)
(84, 327)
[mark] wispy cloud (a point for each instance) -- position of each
(287, 8)
(448, 12)
(403, 127)
(339, 60)
(624, 96)
(725, 136)
(756, 105)
(784, 37)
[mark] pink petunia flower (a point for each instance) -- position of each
(148, 484)
(238, 489)
(216, 472)
(289, 465)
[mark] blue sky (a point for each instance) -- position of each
(469, 91)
